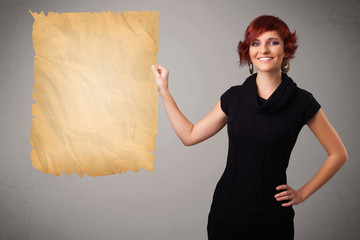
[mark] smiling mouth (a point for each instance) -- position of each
(265, 59)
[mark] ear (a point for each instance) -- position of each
(286, 56)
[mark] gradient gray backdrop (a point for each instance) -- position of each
(197, 43)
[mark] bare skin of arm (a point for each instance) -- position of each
(337, 156)
(188, 133)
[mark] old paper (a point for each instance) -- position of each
(96, 109)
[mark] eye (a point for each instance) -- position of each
(255, 43)
(274, 43)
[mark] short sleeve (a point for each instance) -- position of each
(312, 108)
(224, 102)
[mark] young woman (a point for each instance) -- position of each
(264, 116)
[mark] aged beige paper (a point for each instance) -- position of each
(96, 109)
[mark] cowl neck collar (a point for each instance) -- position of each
(275, 102)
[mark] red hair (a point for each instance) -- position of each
(263, 24)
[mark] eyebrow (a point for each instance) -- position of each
(268, 39)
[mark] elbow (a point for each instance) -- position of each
(343, 157)
(187, 143)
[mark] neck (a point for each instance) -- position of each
(267, 82)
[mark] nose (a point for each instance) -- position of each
(264, 49)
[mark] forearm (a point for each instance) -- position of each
(330, 167)
(182, 126)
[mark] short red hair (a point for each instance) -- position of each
(263, 24)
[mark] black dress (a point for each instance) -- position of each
(262, 134)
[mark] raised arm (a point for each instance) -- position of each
(188, 133)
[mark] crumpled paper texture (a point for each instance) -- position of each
(96, 110)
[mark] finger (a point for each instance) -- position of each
(153, 67)
(280, 198)
(287, 187)
(155, 70)
(283, 193)
(161, 67)
(284, 186)
(288, 204)
(284, 198)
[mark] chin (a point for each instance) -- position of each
(268, 69)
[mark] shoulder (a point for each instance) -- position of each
(303, 93)
(232, 89)
(306, 104)
(304, 96)
(231, 93)
(229, 96)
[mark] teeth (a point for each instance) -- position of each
(264, 59)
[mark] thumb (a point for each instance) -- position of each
(155, 70)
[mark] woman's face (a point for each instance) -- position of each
(267, 52)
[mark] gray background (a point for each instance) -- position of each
(197, 43)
